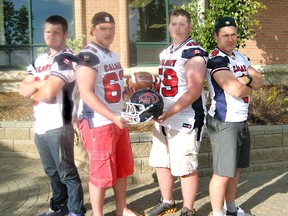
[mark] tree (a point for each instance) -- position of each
(16, 24)
(21, 35)
(9, 14)
(243, 11)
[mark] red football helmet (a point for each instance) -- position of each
(144, 104)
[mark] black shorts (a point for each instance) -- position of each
(230, 143)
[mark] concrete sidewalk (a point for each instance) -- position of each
(25, 190)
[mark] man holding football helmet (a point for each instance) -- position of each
(177, 132)
(104, 132)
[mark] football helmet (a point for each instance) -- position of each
(144, 104)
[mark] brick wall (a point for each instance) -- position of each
(269, 149)
(269, 47)
(84, 12)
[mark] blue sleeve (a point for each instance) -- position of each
(192, 52)
(88, 59)
(65, 61)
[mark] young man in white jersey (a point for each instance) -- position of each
(104, 132)
(177, 132)
(51, 84)
(231, 80)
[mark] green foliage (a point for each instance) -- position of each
(41, 50)
(15, 24)
(21, 35)
(269, 105)
(243, 11)
(75, 45)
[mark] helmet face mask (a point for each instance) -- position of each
(134, 111)
(144, 105)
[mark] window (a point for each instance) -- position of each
(21, 28)
(147, 29)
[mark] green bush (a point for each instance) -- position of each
(243, 11)
(269, 105)
(76, 45)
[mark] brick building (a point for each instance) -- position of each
(140, 33)
(268, 49)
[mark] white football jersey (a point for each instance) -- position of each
(173, 85)
(109, 86)
(225, 107)
(61, 109)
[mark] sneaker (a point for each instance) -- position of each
(59, 212)
(239, 212)
(162, 208)
(187, 212)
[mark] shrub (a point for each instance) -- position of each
(243, 11)
(76, 45)
(269, 105)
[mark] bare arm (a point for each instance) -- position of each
(195, 76)
(49, 90)
(29, 86)
(231, 85)
(257, 79)
(86, 78)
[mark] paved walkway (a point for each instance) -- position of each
(25, 191)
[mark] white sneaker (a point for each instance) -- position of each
(240, 212)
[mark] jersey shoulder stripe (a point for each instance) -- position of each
(192, 49)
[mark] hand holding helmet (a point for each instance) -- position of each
(144, 104)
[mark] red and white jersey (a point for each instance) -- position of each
(61, 109)
(173, 85)
(225, 107)
(109, 86)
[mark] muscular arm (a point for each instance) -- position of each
(226, 80)
(195, 76)
(29, 86)
(49, 90)
(230, 84)
(86, 79)
(257, 79)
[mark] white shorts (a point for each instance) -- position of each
(175, 150)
